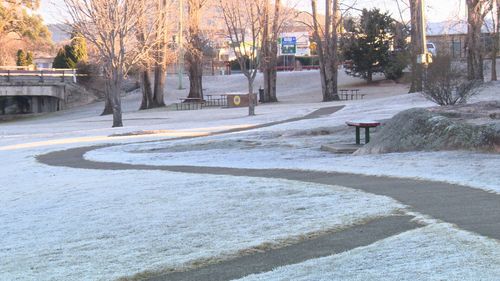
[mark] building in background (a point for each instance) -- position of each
(449, 38)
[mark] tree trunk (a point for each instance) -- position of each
(327, 49)
(195, 73)
(108, 108)
(494, 64)
(270, 77)
(251, 102)
(474, 55)
(161, 62)
(147, 94)
(273, 76)
(113, 87)
(331, 68)
(117, 109)
(331, 91)
(159, 87)
(269, 50)
(273, 52)
(476, 12)
(194, 54)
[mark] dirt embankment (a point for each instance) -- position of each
(466, 127)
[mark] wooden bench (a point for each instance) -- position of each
(189, 104)
(363, 124)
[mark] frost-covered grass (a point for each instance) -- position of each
(435, 252)
(71, 224)
(297, 146)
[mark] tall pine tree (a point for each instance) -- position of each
(369, 43)
(20, 58)
(70, 55)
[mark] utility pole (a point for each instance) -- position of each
(425, 58)
(180, 63)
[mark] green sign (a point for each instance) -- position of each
(288, 49)
(288, 45)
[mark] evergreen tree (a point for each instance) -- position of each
(20, 58)
(70, 55)
(60, 61)
(369, 43)
(29, 58)
(78, 49)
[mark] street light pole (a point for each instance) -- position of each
(181, 50)
(423, 33)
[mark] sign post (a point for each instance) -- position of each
(288, 47)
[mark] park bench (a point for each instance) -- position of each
(363, 124)
(189, 104)
(350, 94)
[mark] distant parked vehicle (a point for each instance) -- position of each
(431, 48)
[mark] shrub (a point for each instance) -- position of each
(446, 83)
(398, 61)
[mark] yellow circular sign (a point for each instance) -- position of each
(237, 100)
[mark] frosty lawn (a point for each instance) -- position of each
(99, 225)
(73, 224)
(297, 146)
(435, 252)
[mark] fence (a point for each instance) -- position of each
(41, 75)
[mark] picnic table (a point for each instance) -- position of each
(363, 124)
(352, 94)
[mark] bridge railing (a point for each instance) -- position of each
(41, 75)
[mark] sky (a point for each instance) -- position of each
(437, 10)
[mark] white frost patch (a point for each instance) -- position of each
(435, 252)
(72, 224)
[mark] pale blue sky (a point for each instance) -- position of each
(438, 10)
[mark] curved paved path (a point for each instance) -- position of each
(468, 208)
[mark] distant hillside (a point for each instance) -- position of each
(59, 32)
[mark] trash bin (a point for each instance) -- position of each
(261, 94)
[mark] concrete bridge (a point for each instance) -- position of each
(26, 91)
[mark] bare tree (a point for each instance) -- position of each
(160, 54)
(153, 94)
(244, 30)
(476, 13)
(272, 23)
(112, 27)
(194, 52)
(326, 39)
(145, 72)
